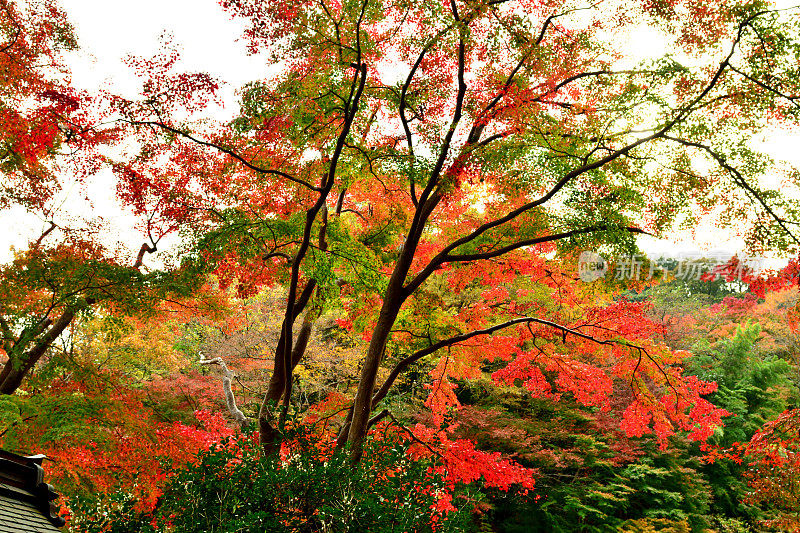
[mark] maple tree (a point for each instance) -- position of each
(39, 110)
(760, 448)
(772, 477)
(52, 138)
(410, 155)
(743, 339)
(307, 489)
(102, 436)
(589, 473)
(39, 114)
(106, 410)
(426, 172)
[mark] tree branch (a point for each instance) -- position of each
(409, 432)
(549, 20)
(792, 99)
(230, 399)
(224, 150)
(146, 248)
(402, 365)
(738, 179)
(445, 150)
(530, 242)
(44, 234)
(583, 169)
(445, 256)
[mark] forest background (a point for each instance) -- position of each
(357, 304)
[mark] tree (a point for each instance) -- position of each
(308, 490)
(755, 388)
(39, 111)
(98, 409)
(759, 447)
(50, 142)
(457, 143)
(773, 473)
(38, 115)
(589, 475)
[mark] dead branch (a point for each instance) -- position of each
(227, 378)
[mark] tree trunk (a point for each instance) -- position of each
(362, 406)
(11, 380)
(17, 367)
(269, 436)
(393, 300)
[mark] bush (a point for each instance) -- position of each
(231, 488)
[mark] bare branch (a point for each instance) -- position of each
(44, 234)
(146, 248)
(739, 180)
(227, 377)
(224, 150)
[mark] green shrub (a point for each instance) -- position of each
(231, 488)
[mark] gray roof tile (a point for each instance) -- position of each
(26, 501)
(22, 517)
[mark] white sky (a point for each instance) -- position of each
(107, 33)
(205, 34)
(207, 38)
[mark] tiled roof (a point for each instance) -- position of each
(18, 516)
(26, 501)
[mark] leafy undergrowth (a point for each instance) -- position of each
(232, 487)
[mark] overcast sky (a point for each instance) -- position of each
(205, 34)
(207, 38)
(107, 33)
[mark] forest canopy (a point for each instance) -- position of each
(359, 305)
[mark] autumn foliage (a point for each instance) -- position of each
(390, 223)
